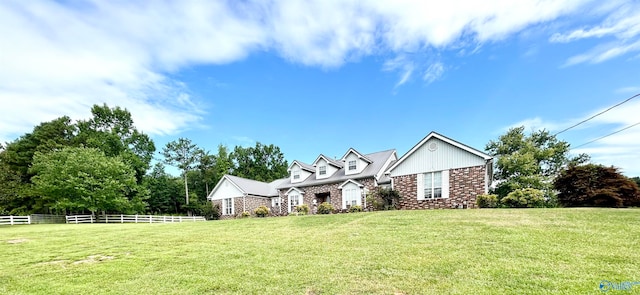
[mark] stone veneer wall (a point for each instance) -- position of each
(464, 185)
(331, 188)
(252, 203)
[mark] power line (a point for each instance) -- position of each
(623, 129)
(598, 114)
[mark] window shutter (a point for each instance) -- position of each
(420, 185)
(445, 183)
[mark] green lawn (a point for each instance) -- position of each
(529, 251)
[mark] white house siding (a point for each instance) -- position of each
(351, 188)
(386, 165)
(225, 190)
(445, 157)
(360, 164)
(303, 173)
(330, 169)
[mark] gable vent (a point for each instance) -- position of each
(433, 146)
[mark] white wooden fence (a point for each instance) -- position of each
(81, 219)
(131, 219)
(147, 219)
(13, 220)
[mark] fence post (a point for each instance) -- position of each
(76, 217)
(29, 219)
(91, 217)
(150, 219)
(11, 219)
(180, 218)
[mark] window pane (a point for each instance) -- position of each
(437, 193)
(437, 179)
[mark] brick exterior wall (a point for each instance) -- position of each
(239, 203)
(464, 185)
(332, 188)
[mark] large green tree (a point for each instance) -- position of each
(16, 194)
(183, 154)
(529, 161)
(596, 185)
(112, 131)
(262, 162)
(79, 179)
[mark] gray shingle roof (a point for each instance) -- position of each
(304, 166)
(254, 187)
(377, 162)
(333, 162)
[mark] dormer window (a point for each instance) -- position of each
(352, 165)
(296, 174)
(322, 170)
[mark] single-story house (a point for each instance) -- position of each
(438, 172)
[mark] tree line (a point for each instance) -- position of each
(104, 164)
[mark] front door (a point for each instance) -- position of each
(323, 197)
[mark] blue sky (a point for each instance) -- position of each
(322, 76)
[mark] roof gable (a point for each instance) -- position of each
(329, 161)
(350, 181)
(249, 186)
(444, 139)
(379, 159)
(295, 189)
(219, 186)
(359, 155)
(302, 166)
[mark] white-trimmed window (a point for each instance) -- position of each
(322, 170)
(275, 202)
(350, 197)
(294, 200)
(227, 206)
(296, 174)
(352, 165)
(433, 185)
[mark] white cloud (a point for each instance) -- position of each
(536, 123)
(621, 29)
(403, 64)
(59, 58)
(433, 72)
(244, 140)
(628, 89)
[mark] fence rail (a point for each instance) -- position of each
(13, 220)
(80, 219)
(147, 219)
(121, 218)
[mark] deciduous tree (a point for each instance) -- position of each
(78, 179)
(596, 185)
(164, 191)
(112, 131)
(529, 161)
(262, 162)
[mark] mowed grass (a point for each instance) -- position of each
(529, 251)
